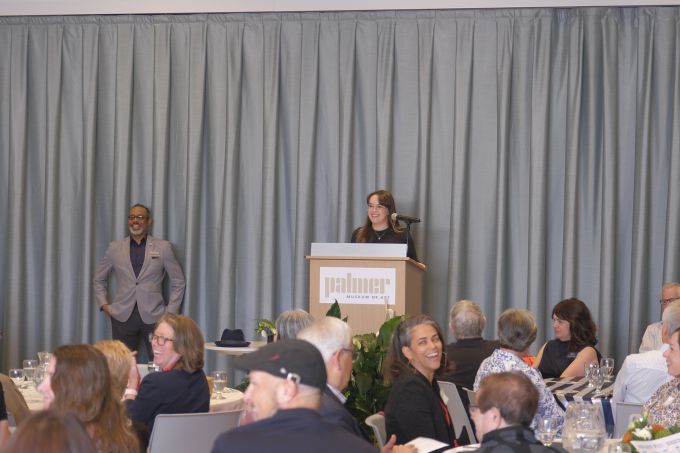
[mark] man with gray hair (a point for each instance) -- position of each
(652, 340)
(642, 374)
(333, 338)
(466, 322)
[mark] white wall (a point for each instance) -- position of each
(67, 7)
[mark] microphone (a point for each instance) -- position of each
(405, 218)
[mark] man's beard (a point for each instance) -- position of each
(136, 231)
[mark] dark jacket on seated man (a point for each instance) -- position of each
(291, 430)
(169, 392)
(517, 438)
(334, 411)
(466, 355)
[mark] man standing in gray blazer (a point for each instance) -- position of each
(139, 263)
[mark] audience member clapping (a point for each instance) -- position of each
(516, 332)
(78, 381)
(181, 386)
(50, 431)
(574, 344)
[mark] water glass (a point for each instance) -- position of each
(607, 364)
(219, 383)
(39, 375)
(29, 368)
(44, 357)
(546, 429)
(17, 375)
(619, 447)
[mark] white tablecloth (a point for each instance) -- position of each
(233, 400)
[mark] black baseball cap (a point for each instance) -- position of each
(292, 359)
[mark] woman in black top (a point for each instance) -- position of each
(574, 343)
(380, 228)
(415, 407)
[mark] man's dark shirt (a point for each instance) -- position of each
(137, 252)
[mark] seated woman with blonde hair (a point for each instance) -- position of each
(78, 381)
(181, 386)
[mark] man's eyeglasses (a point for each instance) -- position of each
(351, 351)
(160, 339)
(668, 301)
(138, 217)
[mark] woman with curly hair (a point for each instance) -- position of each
(379, 227)
(414, 407)
(78, 381)
(574, 343)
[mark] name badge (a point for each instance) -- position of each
(155, 254)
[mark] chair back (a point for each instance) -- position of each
(472, 396)
(459, 415)
(624, 411)
(377, 423)
(179, 433)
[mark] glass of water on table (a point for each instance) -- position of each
(546, 429)
(219, 383)
(607, 365)
(29, 369)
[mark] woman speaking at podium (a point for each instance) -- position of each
(380, 228)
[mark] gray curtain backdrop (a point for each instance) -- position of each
(540, 147)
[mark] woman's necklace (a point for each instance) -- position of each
(381, 234)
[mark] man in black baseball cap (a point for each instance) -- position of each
(284, 395)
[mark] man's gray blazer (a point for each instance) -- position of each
(145, 289)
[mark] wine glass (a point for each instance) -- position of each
(589, 367)
(546, 428)
(607, 364)
(17, 375)
(44, 357)
(219, 383)
(598, 376)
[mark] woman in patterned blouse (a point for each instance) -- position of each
(664, 405)
(516, 332)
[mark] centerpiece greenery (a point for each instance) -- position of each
(641, 430)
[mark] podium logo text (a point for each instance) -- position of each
(357, 285)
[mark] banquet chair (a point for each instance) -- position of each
(196, 433)
(377, 423)
(472, 396)
(459, 415)
(624, 411)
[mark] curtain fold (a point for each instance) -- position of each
(539, 146)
